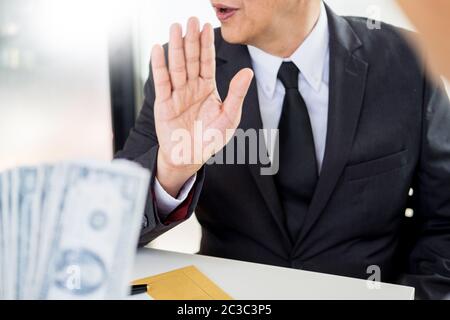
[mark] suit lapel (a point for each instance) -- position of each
(231, 59)
(347, 85)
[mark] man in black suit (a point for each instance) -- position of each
(360, 127)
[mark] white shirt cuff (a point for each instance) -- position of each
(165, 202)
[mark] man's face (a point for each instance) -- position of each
(245, 21)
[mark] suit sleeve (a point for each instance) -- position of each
(429, 259)
(142, 148)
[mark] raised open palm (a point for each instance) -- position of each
(187, 97)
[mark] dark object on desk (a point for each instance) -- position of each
(138, 289)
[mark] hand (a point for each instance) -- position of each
(187, 98)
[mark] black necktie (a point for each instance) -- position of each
(297, 176)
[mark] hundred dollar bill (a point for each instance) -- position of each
(96, 227)
(50, 194)
(38, 235)
(9, 233)
(27, 197)
(2, 238)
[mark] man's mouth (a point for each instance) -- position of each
(224, 12)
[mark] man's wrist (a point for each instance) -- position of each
(173, 178)
(166, 204)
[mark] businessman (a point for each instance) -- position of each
(362, 136)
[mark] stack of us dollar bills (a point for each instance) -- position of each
(70, 230)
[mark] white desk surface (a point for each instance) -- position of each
(251, 281)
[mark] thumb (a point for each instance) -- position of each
(239, 86)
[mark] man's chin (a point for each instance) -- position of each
(232, 36)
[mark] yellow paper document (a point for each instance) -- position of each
(183, 284)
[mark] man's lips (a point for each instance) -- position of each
(224, 12)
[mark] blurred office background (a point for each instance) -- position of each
(72, 75)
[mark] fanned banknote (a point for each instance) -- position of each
(70, 230)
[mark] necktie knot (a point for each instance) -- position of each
(288, 75)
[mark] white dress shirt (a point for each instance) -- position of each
(312, 59)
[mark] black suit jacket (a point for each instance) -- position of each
(388, 131)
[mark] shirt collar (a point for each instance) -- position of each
(310, 58)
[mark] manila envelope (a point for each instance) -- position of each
(183, 284)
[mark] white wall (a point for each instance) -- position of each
(385, 10)
(54, 82)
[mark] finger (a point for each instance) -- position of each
(239, 86)
(177, 65)
(192, 48)
(161, 78)
(208, 53)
